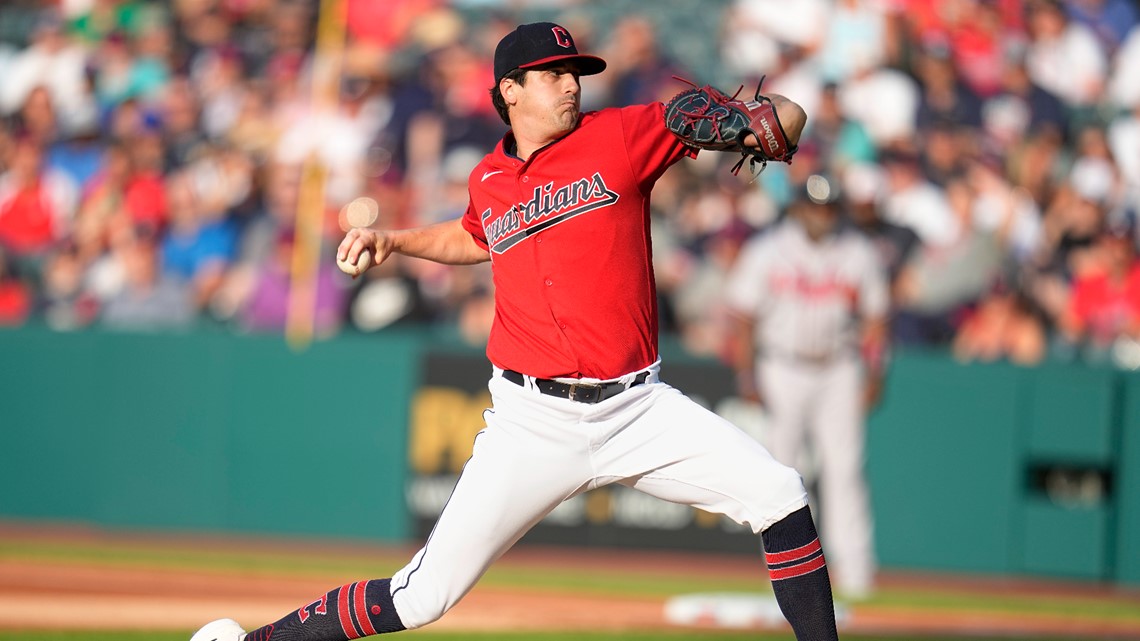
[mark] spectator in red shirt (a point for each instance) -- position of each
(15, 296)
(37, 203)
(1105, 300)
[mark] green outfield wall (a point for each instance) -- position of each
(207, 431)
(997, 468)
(985, 468)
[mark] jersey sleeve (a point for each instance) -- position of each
(652, 148)
(744, 291)
(473, 223)
(874, 289)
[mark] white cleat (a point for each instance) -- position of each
(220, 630)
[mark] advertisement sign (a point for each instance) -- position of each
(447, 412)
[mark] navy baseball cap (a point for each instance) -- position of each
(541, 43)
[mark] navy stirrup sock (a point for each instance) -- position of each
(799, 576)
(351, 611)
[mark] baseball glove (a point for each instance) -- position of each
(706, 118)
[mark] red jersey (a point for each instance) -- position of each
(1106, 309)
(568, 234)
(28, 221)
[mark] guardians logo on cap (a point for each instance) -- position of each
(541, 43)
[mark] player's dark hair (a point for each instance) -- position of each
(519, 76)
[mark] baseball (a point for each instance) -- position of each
(363, 262)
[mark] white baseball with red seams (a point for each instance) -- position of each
(568, 235)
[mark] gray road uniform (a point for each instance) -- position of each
(808, 300)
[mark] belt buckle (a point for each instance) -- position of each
(595, 392)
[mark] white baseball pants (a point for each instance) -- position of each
(822, 404)
(538, 451)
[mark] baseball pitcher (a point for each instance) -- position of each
(560, 208)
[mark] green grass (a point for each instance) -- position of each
(377, 562)
(369, 562)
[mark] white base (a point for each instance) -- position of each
(731, 610)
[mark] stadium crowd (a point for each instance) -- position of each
(152, 157)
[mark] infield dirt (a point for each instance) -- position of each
(54, 578)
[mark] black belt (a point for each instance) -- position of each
(580, 392)
(818, 359)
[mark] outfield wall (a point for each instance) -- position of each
(979, 468)
(206, 431)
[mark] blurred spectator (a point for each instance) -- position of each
(454, 116)
(1000, 209)
(840, 140)
(795, 74)
(338, 140)
(54, 62)
(1124, 82)
(1020, 106)
(36, 118)
(883, 100)
(1070, 226)
(15, 295)
(944, 279)
(943, 150)
(257, 249)
(200, 242)
(131, 68)
(218, 79)
(639, 71)
(704, 321)
(1092, 192)
(756, 30)
(254, 131)
(912, 201)
(392, 295)
(1105, 300)
(101, 18)
(1123, 138)
(267, 308)
(148, 300)
(1035, 163)
(254, 295)
(1003, 326)
(71, 289)
(103, 204)
(177, 114)
(895, 245)
(856, 33)
(944, 98)
(976, 35)
(1025, 114)
(37, 203)
(146, 195)
(948, 119)
(1110, 20)
(1064, 57)
(386, 24)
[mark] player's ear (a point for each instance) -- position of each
(509, 89)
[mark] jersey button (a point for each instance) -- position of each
(549, 282)
(526, 179)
